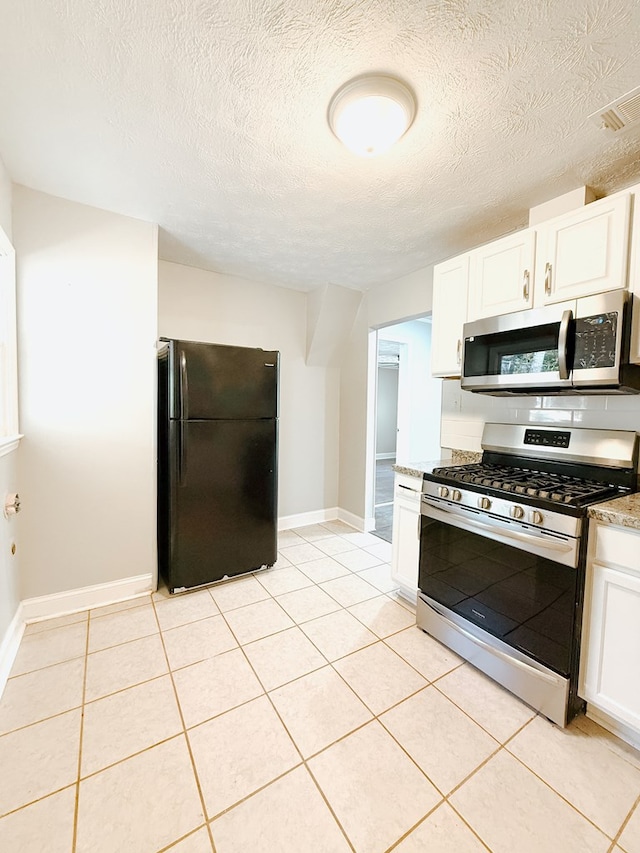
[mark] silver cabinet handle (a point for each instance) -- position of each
(563, 369)
(547, 279)
(525, 285)
(458, 350)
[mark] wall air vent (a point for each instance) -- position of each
(621, 114)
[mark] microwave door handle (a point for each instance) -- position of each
(563, 336)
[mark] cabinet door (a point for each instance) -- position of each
(450, 286)
(501, 276)
(611, 653)
(634, 280)
(406, 544)
(586, 251)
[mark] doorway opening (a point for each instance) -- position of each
(404, 422)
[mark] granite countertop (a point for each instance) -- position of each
(623, 511)
(458, 457)
(417, 469)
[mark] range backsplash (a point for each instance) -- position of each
(464, 414)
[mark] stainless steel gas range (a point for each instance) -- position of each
(503, 549)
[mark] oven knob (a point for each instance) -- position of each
(484, 503)
(443, 492)
(535, 517)
(516, 512)
(456, 495)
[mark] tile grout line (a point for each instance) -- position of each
(76, 812)
(184, 732)
(549, 785)
(374, 717)
(182, 838)
(426, 817)
(284, 725)
(500, 746)
(504, 746)
(32, 634)
(155, 678)
(304, 761)
(625, 823)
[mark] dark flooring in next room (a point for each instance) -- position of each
(384, 498)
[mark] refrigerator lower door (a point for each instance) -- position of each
(222, 499)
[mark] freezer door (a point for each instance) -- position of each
(223, 500)
(210, 381)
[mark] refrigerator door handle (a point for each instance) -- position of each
(182, 454)
(184, 385)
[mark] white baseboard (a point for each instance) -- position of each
(356, 521)
(287, 522)
(73, 600)
(9, 646)
(301, 519)
(611, 724)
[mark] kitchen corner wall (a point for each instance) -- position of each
(464, 414)
(9, 580)
(87, 328)
(402, 299)
(198, 305)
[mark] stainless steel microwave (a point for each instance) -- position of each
(577, 347)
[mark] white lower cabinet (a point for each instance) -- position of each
(611, 629)
(405, 545)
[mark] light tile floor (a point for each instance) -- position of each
(298, 709)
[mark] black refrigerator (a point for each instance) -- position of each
(217, 461)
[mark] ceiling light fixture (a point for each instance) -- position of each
(371, 112)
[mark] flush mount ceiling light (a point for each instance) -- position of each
(371, 112)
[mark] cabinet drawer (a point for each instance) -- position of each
(407, 485)
(619, 546)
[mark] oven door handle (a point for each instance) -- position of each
(512, 661)
(518, 536)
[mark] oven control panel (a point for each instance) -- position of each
(484, 507)
(547, 437)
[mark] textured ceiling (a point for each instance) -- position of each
(210, 119)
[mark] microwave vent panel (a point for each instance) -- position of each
(621, 114)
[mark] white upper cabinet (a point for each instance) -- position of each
(578, 254)
(450, 287)
(501, 276)
(584, 252)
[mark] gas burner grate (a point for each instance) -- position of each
(558, 488)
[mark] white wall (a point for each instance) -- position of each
(199, 305)
(387, 411)
(353, 418)
(399, 300)
(9, 564)
(402, 299)
(87, 327)
(5, 200)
